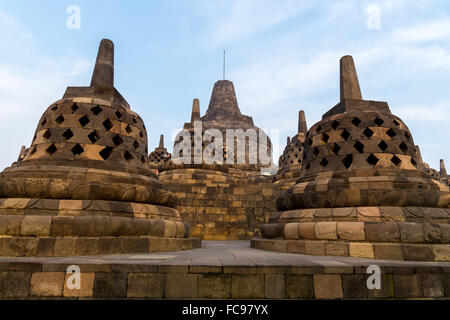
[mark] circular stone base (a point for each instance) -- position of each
(87, 246)
(385, 251)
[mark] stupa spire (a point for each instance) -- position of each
(349, 79)
(195, 111)
(103, 75)
(442, 171)
(302, 126)
(161, 141)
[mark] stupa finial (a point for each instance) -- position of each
(195, 111)
(349, 79)
(442, 171)
(161, 141)
(103, 75)
(302, 126)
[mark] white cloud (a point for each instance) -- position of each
(429, 31)
(10, 25)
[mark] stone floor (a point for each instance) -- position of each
(226, 253)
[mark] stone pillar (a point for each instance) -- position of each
(195, 111)
(302, 126)
(161, 141)
(349, 80)
(103, 75)
(443, 171)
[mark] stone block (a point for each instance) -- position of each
(337, 249)
(315, 248)
(407, 286)
(299, 286)
(432, 232)
(146, 285)
(275, 286)
(157, 228)
(83, 226)
(214, 286)
(387, 288)
(64, 247)
(290, 231)
(432, 285)
(416, 252)
(382, 231)
(180, 230)
(110, 285)
(351, 231)
(45, 247)
(14, 285)
(62, 226)
(387, 251)
(328, 286)
(47, 284)
(355, 286)
(273, 230)
(87, 246)
(10, 225)
(361, 250)
(36, 226)
(296, 246)
(247, 286)
(110, 245)
(411, 232)
(306, 230)
(170, 229)
(441, 253)
(86, 285)
(326, 230)
(181, 286)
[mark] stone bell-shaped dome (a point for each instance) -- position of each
(361, 154)
(159, 158)
(223, 113)
(84, 181)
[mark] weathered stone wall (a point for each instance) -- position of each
(222, 205)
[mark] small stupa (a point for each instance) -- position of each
(84, 186)
(290, 162)
(361, 191)
(159, 158)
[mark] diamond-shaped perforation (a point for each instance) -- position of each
(74, 107)
(127, 156)
(77, 150)
(143, 159)
(359, 146)
(396, 160)
(383, 145)
(60, 119)
(310, 142)
(107, 124)
(93, 136)
(51, 149)
(43, 122)
(136, 144)
(368, 133)
(403, 146)
(407, 136)
(345, 134)
(141, 134)
(378, 121)
(47, 134)
(117, 140)
(96, 110)
(315, 152)
(325, 137)
(134, 120)
(119, 115)
(347, 161)
(335, 149)
(396, 123)
(335, 124)
(372, 160)
(68, 134)
(33, 151)
(54, 108)
(356, 121)
(391, 133)
(84, 121)
(128, 129)
(106, 153)
(324, 162)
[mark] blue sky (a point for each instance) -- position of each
(283, 56)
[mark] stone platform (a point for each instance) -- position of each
(221, 270)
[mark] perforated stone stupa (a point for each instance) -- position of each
(221, 201)
(361, 191)
(159, 158)
(290, 162)
(84, 186)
